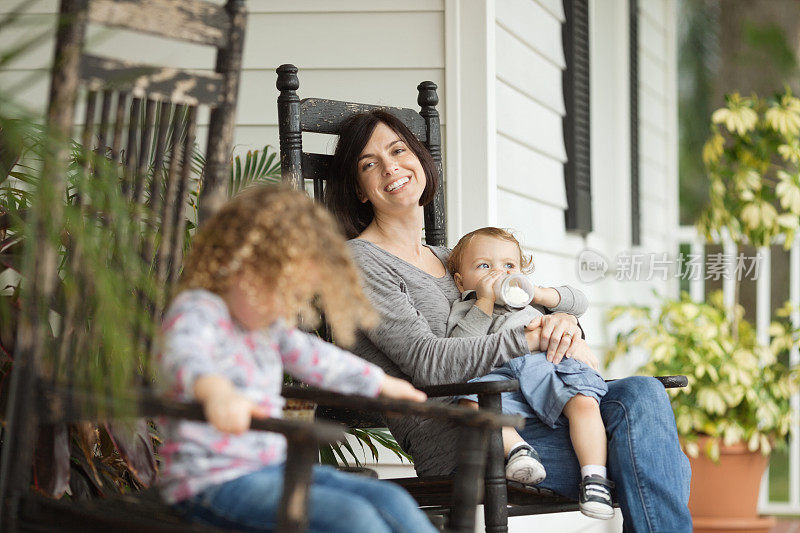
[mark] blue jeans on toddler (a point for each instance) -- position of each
(544, 387)
(338, 503)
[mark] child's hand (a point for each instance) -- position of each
(580, 351)
(546, 296)
(533, 336)
(225, 409)
(400, 389)
(485, 288)
(558, 332)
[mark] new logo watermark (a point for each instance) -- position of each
(592, 266)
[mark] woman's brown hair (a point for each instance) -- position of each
(270, 235)
(341, 187)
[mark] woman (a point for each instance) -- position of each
(384, 176)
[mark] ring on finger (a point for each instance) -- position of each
(567, 335)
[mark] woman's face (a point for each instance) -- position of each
(390, 175)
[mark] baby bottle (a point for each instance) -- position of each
(514, 290)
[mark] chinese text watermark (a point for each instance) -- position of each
(649, 266)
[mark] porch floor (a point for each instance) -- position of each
(787, 525)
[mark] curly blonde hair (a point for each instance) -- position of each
(457, 254)
(269, 237)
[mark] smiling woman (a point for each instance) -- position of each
(379, 149)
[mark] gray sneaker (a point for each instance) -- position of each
(523, 466)
(595, 497)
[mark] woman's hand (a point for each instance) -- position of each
(400, 389)
(225, 409)
(558, 332)
(580, 351)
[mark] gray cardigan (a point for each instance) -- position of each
(410, 343)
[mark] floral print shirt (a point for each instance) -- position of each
(199, 337)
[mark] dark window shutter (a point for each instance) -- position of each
(633, 44)
(577, 170)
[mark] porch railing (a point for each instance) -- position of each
(689, 237)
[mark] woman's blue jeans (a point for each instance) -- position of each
(338, 503)
(645, 461)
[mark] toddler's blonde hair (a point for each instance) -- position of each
(457, 254)
(270, 235)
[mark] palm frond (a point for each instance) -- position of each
(260, 166)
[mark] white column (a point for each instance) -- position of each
(763, 313)
(763, 291)
(470, 105)
(729, 280)
(794, 360)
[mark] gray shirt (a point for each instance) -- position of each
(468, 320)
(410, 343)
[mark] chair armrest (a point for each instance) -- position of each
(480, 387)
(459, 415)
(64, 405)
(512, 385)
(669, 382)
(322, 432)
(673, 382)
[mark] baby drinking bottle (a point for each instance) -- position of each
(514, 290)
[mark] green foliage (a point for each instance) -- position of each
(768, 43)
(102, 279)
(738, 390)
(259, 167)
(752, 160)
(368, 439)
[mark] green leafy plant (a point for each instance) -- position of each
(101, 281)
(368, 439)
(752, 159)
(738, 390)
(258, 166)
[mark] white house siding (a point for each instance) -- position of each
(530, 148)
(369, 51)
(611, 150)
(658, 121)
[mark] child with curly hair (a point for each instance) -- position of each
(228, 336)
(547, 390)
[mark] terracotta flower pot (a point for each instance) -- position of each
(724, 495)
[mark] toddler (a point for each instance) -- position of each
(227, 338)
(570, 387)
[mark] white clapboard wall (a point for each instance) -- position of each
(530, 193)
(340, 47)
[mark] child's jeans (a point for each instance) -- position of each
(544, 387)
(338, 503)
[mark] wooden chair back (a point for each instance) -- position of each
(317, 115)
(141, 120)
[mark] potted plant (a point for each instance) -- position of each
(736, 407)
